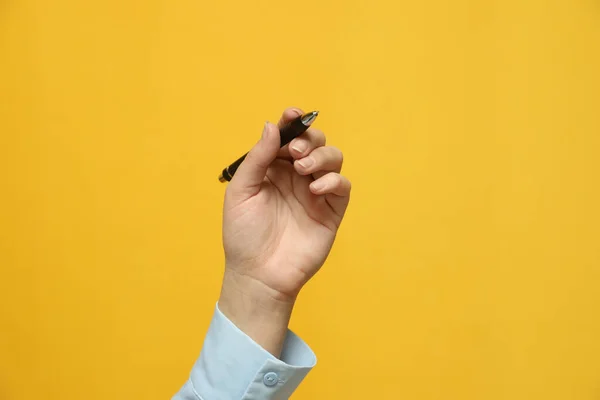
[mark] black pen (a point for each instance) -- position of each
(288, 132)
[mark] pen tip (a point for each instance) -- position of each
(307, 119)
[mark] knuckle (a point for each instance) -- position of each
(337, 153)
(322, 157)
(320, 137)
(337, 179)
(250, 157)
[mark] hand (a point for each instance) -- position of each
(281, 214)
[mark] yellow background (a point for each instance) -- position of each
(469, 263)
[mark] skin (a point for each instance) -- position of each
(281, 213)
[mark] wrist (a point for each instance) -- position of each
(257, 310)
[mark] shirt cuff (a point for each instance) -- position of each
(233, 366)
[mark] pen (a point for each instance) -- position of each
(288, 132)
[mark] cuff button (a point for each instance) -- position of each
(270, 379)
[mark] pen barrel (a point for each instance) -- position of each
(291, 130)
(228, 172)
(287, 133)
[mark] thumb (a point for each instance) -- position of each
(252, 171)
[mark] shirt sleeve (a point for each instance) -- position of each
(232, 366)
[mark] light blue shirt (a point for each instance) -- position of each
(232, 366)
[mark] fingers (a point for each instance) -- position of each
(331, 183)
(311, 157)
(336, 189)
(325, 158)
(307, 142)
(251, 173)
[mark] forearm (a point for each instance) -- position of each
(256, 310)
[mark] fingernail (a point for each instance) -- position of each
(317, 186)
(306, 162)
(265, 130)
(299, 146)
